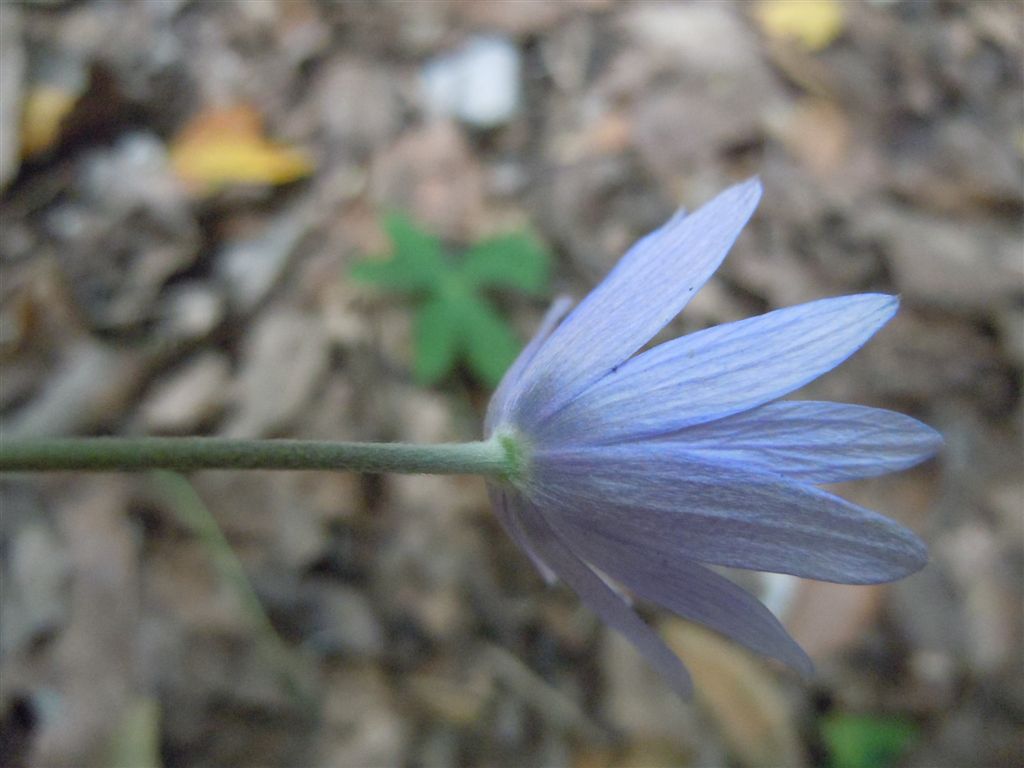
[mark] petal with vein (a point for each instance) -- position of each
(814, 442)
(497, 409)
(658, 498)
(695, 593)
(601, 599)
(508, 506)
(719, 371)
(647, 288)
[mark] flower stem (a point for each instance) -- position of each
(191, 453)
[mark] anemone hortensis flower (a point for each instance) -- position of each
(640, 470)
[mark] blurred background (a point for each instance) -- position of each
(186, 187)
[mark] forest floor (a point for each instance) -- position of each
(185, 188)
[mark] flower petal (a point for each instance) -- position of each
(814, 442)
(647, 288)
(601, 599)
(657, 497)
(720, 371)
(508, 506)
(695, 593)
(497, 409)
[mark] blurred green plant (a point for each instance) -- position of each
(454, 321)
(179, 494)
(866, 741)
(135, 741)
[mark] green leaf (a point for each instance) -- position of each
(515, 260)
(417, 262)
(490, 345)
(453, 322)
(412, 243)
(436, 337)
(866, 741)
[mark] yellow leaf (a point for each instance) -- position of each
(221, 147)
(43, 111)
(811, 23)
(746, 703)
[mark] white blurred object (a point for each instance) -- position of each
(777, 591)
(477, 83)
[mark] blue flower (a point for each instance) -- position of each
(641, 469)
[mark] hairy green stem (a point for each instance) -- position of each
(191, 453)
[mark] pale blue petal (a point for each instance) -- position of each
(719, 371)
(656, 496)
(693, 592)
(497, 409)
(814, 442)
(508, 506)
(602, 600)
(648, 287)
